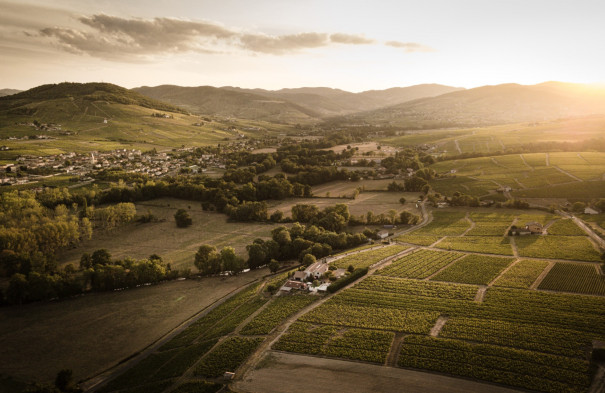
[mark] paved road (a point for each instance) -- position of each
(594, 236)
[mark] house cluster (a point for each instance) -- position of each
(87, 164)
(319, 271)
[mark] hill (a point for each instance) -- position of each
(286, 105)
(25, 101)
(53, 119)
(229, 102)
(8, 92)
(507, 103)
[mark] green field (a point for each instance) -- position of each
(522, 274)
(366, 258)
(568, 277)
(474, 269)
(483, 244)
(420, 264)
(558, 247)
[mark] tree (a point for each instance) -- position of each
(309, 259)
(100, 257)
(277, 216)
(207, 260)
(256, 255)
(231, 262)
(578, 207)
(64, 380)
(402, 200)
(85, 261)
(182, 218)
(273, 266)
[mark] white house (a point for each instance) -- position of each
(590, 210)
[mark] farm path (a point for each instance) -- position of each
(99, 380)
(445, 267)
(581, 157)
(457, 146)
(491, 283)
(525, 162)
(547, 159)
(253, 360)
(438, 326)
(427, 217)
(513, 245)
(568, 174)
(393, 355)
(480, 294)
(468, 218)
(541, 276)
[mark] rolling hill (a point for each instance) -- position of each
(507, 103)
(8, 92)
(286, 105)
(52, 119)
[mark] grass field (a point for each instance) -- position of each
(178, 245)
(91, 333)
(376, 202)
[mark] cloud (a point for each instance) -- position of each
(350, 39)
(410, 46)
(134, 39)
(278, 45)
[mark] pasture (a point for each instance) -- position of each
(176, 245)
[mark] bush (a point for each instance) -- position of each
(346, 280)
(182, 218)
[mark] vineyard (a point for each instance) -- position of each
(367, 258)
(280, 309)
(560, 247)
(420, 239)
(490, 224)
(568, 277)
(565, 228)
(356, 344)
(420, 264)
(522, 274)
(227, 356)
(484, 244)
(517, 337)
(474, 269)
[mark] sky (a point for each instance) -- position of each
(354, 45)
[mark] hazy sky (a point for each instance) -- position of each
(354, 45)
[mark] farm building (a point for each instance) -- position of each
(383, 234)
(534, 227)
(299, 276)
(590, 210)
(290, 285)
(317, 269)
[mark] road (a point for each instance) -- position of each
(594, 236)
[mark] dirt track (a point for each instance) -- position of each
(282, 372)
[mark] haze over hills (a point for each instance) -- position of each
(507, 103)
(8, 92)
(289, 105)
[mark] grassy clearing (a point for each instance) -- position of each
(176, 245)
(522, 275)
(474, 269)
(568, 277)
(558, 247)
(483, 244)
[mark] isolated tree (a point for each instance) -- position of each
(402, 200)
(578, 207)
(182, 218)
(273, 266)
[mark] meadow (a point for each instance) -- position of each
(178, 245)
